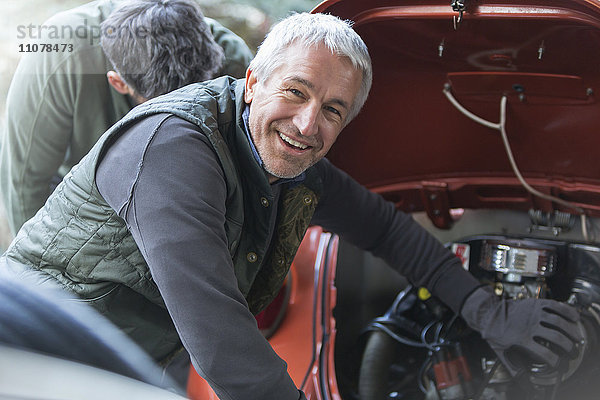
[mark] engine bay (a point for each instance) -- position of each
(407, 345)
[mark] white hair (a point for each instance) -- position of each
(312, 30)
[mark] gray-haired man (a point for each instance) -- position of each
(183, 220)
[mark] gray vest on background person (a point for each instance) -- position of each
(78, 240)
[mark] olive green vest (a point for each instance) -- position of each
(79, 240)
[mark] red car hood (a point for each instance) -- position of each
(413, 146)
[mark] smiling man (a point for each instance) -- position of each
(298, 113)
(183, 221)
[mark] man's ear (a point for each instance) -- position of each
(250, 82)
(117, 82)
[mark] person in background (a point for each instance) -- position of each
(183, 220)
(99, 61)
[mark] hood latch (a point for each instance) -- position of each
(459, 7)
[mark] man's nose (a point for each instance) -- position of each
(306, 119)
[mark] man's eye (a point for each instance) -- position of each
(296, 92)
(333, 110)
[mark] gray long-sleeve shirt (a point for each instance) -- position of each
(176, 215)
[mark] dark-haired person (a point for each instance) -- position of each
(62, 99)
(183, 220)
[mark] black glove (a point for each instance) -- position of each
(528, 330)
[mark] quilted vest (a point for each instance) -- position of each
(80, 241)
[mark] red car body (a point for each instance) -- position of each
(414, 147)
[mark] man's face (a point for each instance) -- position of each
(298, 112)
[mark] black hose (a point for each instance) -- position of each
(374, 369)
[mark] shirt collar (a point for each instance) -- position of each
(293, 181)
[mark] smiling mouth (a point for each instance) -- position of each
(292, 142)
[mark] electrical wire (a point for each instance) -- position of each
(424, 367)
(430, 346)
(447, 327)
(501, 126)
(438, 332)
(486, 380)
(422, 344)
(403, 340)
(414, 343)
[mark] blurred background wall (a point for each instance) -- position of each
(250, 19)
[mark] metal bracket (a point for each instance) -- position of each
(436, 203)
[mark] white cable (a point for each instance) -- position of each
(501, 126)
(468, 113)
(518, 173)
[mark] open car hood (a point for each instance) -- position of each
(412, 145)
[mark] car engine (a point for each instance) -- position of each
(420, 350)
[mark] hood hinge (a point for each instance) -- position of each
(436, 203)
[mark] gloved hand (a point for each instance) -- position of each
(533, 330)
